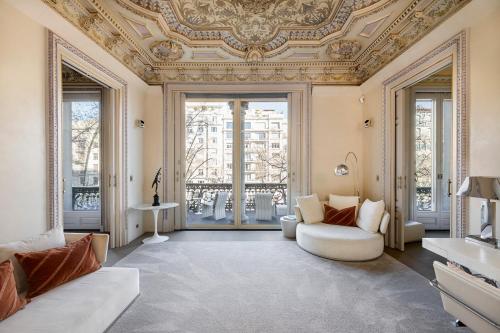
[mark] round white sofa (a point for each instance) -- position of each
(340, 242)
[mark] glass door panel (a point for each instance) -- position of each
(82, 160)
(433, 130)
(264, 161)
(208, 159)
(424, 154)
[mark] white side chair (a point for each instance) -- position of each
(264, 206)
(217, 207)
(468, 298)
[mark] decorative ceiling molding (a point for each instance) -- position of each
(255, 40)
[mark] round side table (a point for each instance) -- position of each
(288, 225)
(155, 209)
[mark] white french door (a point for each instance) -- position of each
(431, 159)
(235, 168)
(82, 159)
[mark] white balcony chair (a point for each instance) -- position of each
(264, 206)
(217, 207)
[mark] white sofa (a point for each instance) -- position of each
(340, 242)
(88, 304)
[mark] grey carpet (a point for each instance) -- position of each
(265, 286)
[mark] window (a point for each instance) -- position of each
(248, 166)
(96, 156)
(214, 129)
(200, 129)
(229, 135)
(229, 145)
(96, 180)
(261, 135)
(214, 140)
(248, 125)
(229, 165)
(200, 140)
(200, 172)
(275, 125)
(247, 136)
(275, 145)
(229, 125)
(275, 135)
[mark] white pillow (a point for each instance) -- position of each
(344, 201)
(51, 239)
(310, 208)
(370, 215)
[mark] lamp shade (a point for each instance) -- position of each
(480, 187)
(342, 170)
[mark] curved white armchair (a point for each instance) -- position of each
(340, 242)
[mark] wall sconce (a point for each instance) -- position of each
(367, 123)
(139, 123)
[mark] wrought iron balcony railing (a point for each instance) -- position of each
(196, 194)
(424, 198)
(86, 198)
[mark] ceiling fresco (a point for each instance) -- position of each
(318, 41)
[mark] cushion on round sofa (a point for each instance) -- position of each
(339, 242)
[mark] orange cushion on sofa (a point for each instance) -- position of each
(344, 216)
(48, 269)
(10, 302)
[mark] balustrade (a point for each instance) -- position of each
(86, 198)
(197, 194)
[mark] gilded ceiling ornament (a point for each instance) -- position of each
(167, 50)
(231, 27)
(343, 49)
(90, 21)
(255, 54)
(114, 41)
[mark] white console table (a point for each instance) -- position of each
(155, 209)
(482, 259)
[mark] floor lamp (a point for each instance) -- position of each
(343, 170)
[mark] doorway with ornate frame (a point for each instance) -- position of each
(113, 197)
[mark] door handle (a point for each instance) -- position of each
(399, 182)
(449, 187)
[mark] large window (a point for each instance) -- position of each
(261, 176)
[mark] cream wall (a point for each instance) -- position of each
(22, 114)
(153, 147)
(481, 19)
(22, 126)
(336, 128)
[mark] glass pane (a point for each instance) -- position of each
(424, 156)
(209, 162)
(447, 127)
(81, 154)
(264, 161)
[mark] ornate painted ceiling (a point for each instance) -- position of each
(320, 41)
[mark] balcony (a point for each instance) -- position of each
(198, 194)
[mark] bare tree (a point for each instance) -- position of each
(85, 133)
(197, 155)
(274, 166)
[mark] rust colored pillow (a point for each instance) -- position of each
(10, 302)
(48, 269)
(346, 216)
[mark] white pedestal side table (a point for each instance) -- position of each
(164, 205)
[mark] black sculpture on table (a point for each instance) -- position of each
(156, 182)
